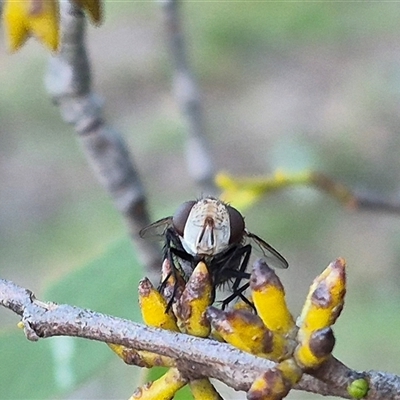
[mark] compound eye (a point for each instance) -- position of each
(181, 215)
(236, 222)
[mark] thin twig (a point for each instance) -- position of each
(69, 83)
(377, 205)
(194, 356)
(350, 198)
(198, 156)
(256, 186)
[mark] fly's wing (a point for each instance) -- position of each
(156, 230)
(273, 257)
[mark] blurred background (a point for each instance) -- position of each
(297, 85)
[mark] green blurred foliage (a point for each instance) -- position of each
(290, 85)
(107, 284)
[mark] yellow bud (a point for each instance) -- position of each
(202, 389)
(242, 329)
(172, 282)
(39, 18)
(325, 298)
(268, 296)
(141, 358)
(276, 383)
(290, 371)
(269, 386)
(191, 308)
(154, 306)
(245, 330)
(163, 388)
(322, 307)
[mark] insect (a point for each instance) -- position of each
(211, 231)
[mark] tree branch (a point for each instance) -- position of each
(194, 356)
(198, 156)
(350, 198)
(69, 83)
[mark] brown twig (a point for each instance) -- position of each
(351, 199)
(194, 356)
(198, 156)
(69, 83)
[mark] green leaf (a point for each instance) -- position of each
(26, 367)
(56, 366)
(107, 284)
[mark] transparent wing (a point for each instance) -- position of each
(273, 257)
(156, 230)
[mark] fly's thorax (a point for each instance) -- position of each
(207, 229)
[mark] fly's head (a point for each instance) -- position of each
(208, 227)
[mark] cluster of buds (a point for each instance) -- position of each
(264, 328)
(178, 307)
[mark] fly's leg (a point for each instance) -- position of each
(169, 257)
(238, 293)
(226, 267)
(247, 301)
(172, 250)
(240, 274)
(246, 252)
(182, 254)
(168, 254)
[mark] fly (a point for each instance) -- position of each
(214, 232)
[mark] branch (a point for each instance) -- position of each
(245, 191)
(351, 199)
(195, 357)
(69, 83)
(198, 157)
